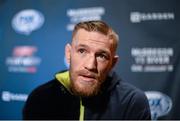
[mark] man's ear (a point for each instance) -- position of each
(68, 53)
(115, 60)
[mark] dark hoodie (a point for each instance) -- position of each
(117, 100)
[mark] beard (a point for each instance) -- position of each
(85, 90)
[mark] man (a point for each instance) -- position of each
(89, 90)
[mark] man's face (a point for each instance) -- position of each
(91, 57)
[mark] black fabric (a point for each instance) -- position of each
(118, 100)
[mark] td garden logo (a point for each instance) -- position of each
(137, 17)
(23, 60)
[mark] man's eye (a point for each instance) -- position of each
(102, 56)
(81, 50)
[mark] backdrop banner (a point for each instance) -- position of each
(33, 35)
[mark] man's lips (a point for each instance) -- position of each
(88, 76)
(87, 79)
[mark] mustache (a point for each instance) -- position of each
(87, 74)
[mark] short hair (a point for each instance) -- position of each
(98, 26)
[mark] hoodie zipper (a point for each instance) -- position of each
(81, 116)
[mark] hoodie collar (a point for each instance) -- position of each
(111, 80)
(64, 79)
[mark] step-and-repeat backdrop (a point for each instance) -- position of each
(33, 34)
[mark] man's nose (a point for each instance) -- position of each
(91, 63)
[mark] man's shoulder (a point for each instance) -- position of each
(128, 87)
(123, 85)
(133, 96)
(126, 90)
(45, 88)
(132, 100)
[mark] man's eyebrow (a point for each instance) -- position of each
(86, 46)
(81, 45)
(103, 51)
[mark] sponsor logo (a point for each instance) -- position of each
(84, 14)
(9, 96)
(137, 17)
(160, 104)
(26, 21)
(23, 60)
